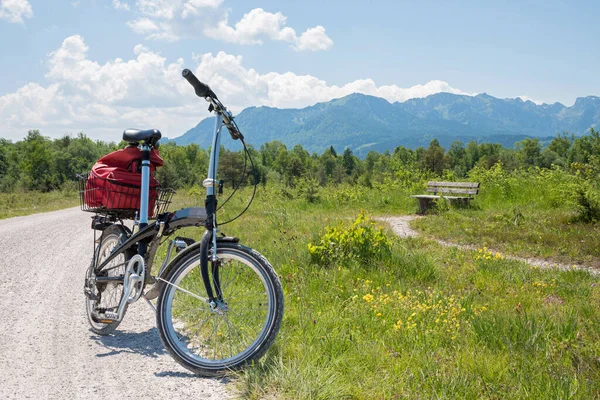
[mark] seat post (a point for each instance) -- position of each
(145, 190)
(144, 193)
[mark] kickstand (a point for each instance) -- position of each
(149, 303)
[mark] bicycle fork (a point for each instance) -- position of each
(214, 297)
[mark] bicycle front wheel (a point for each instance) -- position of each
(210, 339)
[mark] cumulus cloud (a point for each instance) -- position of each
(174, 19)
(259, 24)
(313, 39)
(146, 91)
(15, 10)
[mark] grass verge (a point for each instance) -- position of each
(419, 321)
(26, 203)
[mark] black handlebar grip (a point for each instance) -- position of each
(202, 89)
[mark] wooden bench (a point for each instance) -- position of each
(469, 189)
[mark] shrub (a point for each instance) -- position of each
(588, 205)
(363, 241)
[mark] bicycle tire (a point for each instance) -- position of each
(110, 238)
(242, 331)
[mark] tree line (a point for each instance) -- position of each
(40, 163)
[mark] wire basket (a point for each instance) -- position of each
(119, 200)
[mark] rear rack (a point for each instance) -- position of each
(123, 199)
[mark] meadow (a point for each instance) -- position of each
(370, 315)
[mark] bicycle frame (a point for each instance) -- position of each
(167, 224)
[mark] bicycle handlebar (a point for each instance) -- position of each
(202, 89)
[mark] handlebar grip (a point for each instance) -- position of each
(202, 89)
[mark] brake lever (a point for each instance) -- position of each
(227, 118)
(234, 132)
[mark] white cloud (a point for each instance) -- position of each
(171, 20)
(120, 5)
(143, 26)
(313, 39)
(15, 10)
(259, 24)
(146, 91)
(195, 7)
(162, 9)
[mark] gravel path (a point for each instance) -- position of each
(46, 348)
(400, 226)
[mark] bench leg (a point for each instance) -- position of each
(424, 204)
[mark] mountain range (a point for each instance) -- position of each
(366, 123)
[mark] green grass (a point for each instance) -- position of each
(26, 203)
(529, 215)
(548, 234)
(424, 321)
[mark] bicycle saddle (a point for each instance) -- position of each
(136, 135)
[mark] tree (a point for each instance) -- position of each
(4, 149)
(332, 151)
(269, 151)
(349, 161)
(471, 154)
(456, 153)
(328, 162)
(489, 154)
(231, 166)
(529, 150)
(584, 147)
(433, 158)
(370, 160)
(75, 156)
(404, 156)
(561, 144)
(38, 162)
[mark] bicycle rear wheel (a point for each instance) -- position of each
(105, 297)
(212, 339)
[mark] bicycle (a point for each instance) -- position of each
(219, 304)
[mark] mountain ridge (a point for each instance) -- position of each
(363, 122)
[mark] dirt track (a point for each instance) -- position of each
(46, 348)
(400, 226)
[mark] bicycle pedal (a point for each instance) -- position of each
(110, 316)
(104, 317)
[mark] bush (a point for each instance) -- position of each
(362, 241)
(588, 205)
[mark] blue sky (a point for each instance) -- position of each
(100, 66)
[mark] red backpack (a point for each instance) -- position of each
(115, 181)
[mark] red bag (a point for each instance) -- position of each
(115, 181)
(130, 158)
